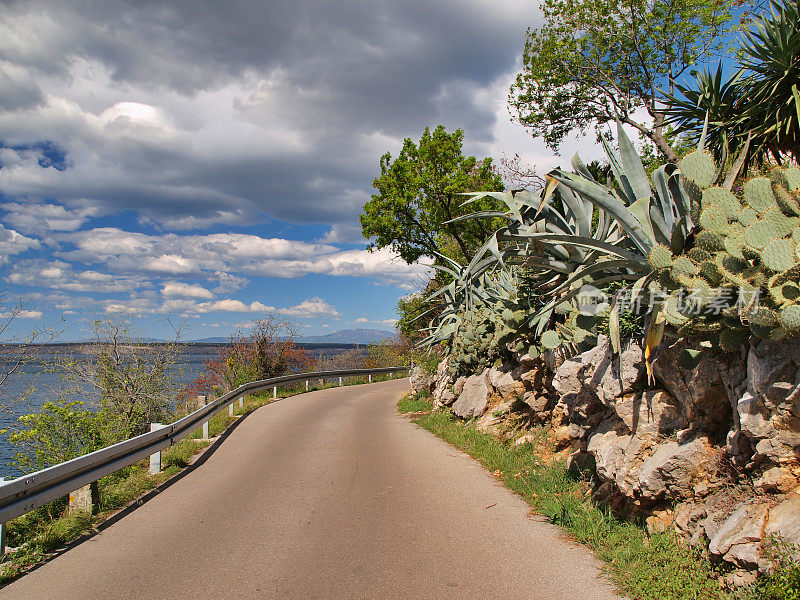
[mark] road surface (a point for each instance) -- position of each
(328, 495)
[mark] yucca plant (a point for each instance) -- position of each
(761, 99)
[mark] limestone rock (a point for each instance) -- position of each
(538, 403)
(458, 386)
(474, 398)
(447, 397)
(769, 414)
(607, 444)
(738, 537)
(600, 372)
(652, 413)
(700, 391)
(493, 419)
(506, 382)
(784, 519)
(672, 469)
(441, 384)
(420, 380)
(660, 521)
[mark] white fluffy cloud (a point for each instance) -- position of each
(252, 112)
(230, 305)
(209, 255)
(177, 289)
(364, 321)
(12, 243)
(60, 275)
(39, 218)
(22, 314)
(314, 307)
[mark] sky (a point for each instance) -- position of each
(207, 161)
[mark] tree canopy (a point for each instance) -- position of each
(418, 192)
(594, 61)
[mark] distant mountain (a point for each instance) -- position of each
(342, 336)
(348, 336)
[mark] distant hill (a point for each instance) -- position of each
(348, 336)
(342, 336)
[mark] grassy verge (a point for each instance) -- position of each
(649, 567)
(39, 533)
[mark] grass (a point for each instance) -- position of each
(37, 534)
(646, 567)
(415, 403)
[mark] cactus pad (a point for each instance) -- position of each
(786, 293)
(718, 195)
(788, 201)
(759, 234)
(671, 311)
(763, 316)
(732, 339)
(788, 178)
(734, 245)
(551, 340)
(660, 257)
(779, 255)
(709, 241)
(699, 166)
(783, 225)
(758, 194)
(747, 216)
(715, 219)
(698, 255)
(790, 317)
(694, 191)
(729, 265)
(682, 265)
(710, 272)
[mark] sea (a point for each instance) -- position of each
(45, 382)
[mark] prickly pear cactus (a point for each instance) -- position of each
(748, 246)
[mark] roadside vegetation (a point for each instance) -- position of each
(641, 565)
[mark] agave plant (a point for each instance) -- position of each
(686, 237)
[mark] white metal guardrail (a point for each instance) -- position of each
(22, 495)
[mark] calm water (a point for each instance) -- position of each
(37, 373)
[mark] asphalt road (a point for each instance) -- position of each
(329, 495)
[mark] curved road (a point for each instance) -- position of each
(330, 495)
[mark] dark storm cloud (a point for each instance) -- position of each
(332, 83)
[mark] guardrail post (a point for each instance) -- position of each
(241, 401)
(369, 378)
(85, 499)
(230, 409)
(2, 531)
(306, 384)
(275, 392)
(201, 400)
(340, 380)
(155, 459)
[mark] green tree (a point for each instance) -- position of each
(594, 61)
(418, 192)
